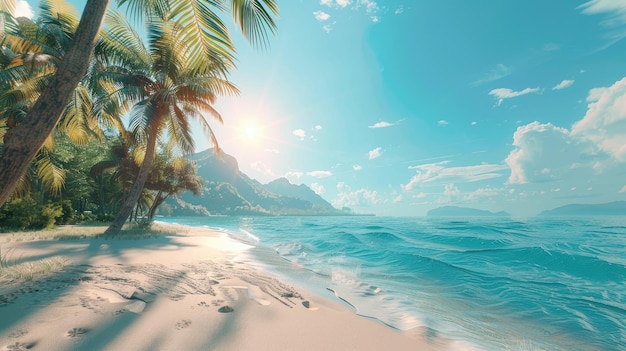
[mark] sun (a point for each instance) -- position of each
(251, 131)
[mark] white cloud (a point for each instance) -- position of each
(271, 151)
(623, 190)
(564, 84)
(361, 197)
(375, 153)
(318, 189)
(317, 127)
(505, 93)
(299, 133)
(605, 120)
(23, 9)
(437, 171)
(474, 123)
(321, 16)
(320, 174)
(482, 193)
(399, 10)
(420, 195)
(443, 122)
(615, 8)
(328, 27)
(451, 190)
(262, 168)
(544, 152)
(496, 73)
(357, 167)
(343, 3)
(294, 175)
(381, 124)
(397, 199)
(326, 2)
(370, 6)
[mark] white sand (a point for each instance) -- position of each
(174, 292)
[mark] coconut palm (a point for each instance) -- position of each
(200, 27)
(30, 56)
(167, 87)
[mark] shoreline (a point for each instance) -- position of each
(185, 289)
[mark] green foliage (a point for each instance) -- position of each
(18, 213)
(24, 213)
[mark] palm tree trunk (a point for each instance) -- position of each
(136, 189)
(26, 139)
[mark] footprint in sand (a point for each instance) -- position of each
(225, 309)
(76, 332)
(182, 324)
(308, 305)
(18, 346)
(18, 333)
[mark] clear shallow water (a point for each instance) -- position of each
(493, 284)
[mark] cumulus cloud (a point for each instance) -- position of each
(501, 94)
(381, 124)
(321, 16)
(299, 133)
(318, 189)
(317, 127)
(605, 120)
(23, 9)
(360, 197)
(544, 152)
(320, 174)
(443, 122)
(399, 10)
(357, 167)
(564, 84)
(623, 189)
(438, 171)
(343, 3)
(375, 153)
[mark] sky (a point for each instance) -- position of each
(396, 107)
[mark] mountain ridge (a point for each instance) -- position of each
(229, 191)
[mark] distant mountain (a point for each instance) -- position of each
(617, 208)
(229, 191)
(454, 211)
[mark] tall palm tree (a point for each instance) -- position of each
(200, 27)
(28, 61)
(167, 86)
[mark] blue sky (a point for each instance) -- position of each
(397, 107)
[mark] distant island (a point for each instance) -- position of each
(455, 211)
(617, 208)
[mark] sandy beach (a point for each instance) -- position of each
(183, 290)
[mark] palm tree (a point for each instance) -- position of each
(200, 27)
(167, 87)
(28, 61)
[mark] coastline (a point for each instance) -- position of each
(182, 290)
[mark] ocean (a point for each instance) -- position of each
(487, 283)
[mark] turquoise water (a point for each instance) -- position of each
(491, 284)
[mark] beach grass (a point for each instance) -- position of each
(84, 231)
(12, 267)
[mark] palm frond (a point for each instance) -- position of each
(255, 17)
(200, 27)
(52, 176)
